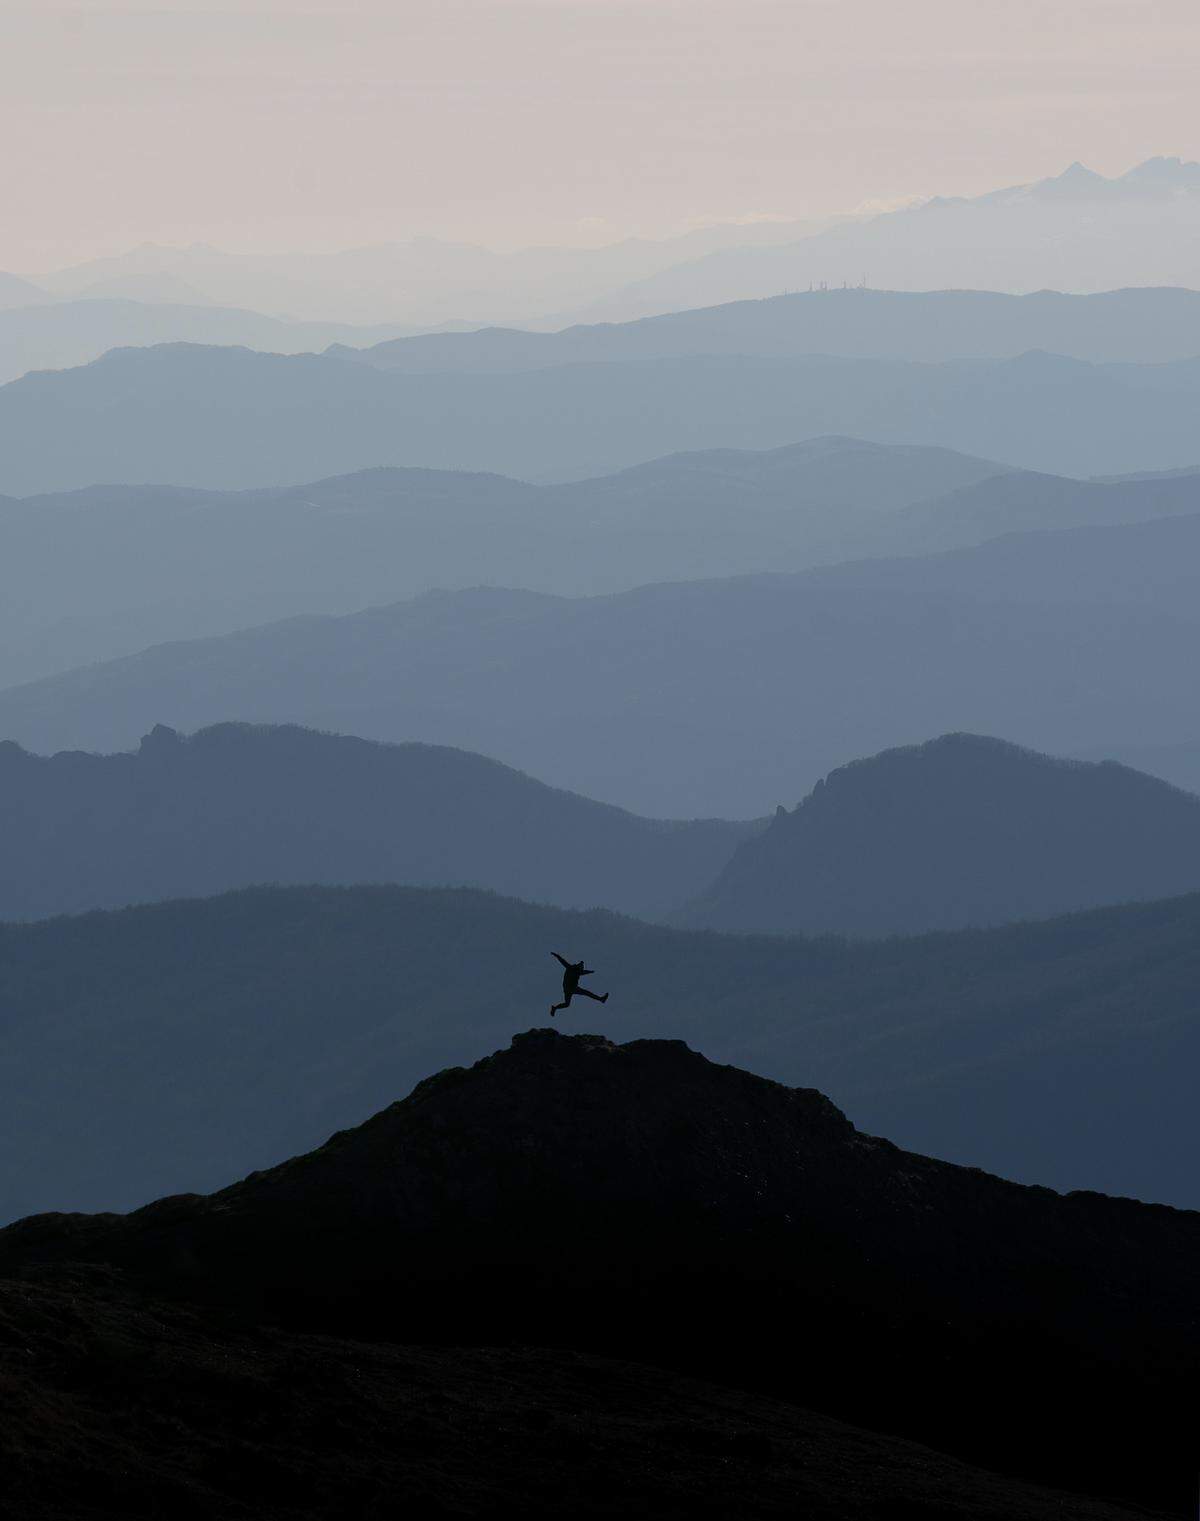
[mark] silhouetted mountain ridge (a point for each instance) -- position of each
(960, 831)
(772, 680)
(236, 804)
(196, 1038)
(644, 1183)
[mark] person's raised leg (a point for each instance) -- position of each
(596, 997)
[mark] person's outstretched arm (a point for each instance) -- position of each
(559, 958)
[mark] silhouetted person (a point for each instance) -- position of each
(572, 972)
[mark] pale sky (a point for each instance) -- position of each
(279, 124)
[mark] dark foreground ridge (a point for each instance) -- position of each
(115, 1406)
(640, 1201)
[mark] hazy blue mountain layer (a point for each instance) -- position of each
(1076, 231)
(232, 806)
(215, 417)
(960, 831)
(54, 335)
(420, 281)
(704, 699)
(174, 1046)
(1024, 501)
(1138, 325)
(106, 571)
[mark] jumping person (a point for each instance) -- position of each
(572, 972)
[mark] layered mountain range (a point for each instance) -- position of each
(450, 656)
(1078, 230)
(719, 698)
(118, 568)
(960, 832)
(233, 806)
(54, 335)
(200, 1038)
(233, 418)
(1140, 325)
(421, 281)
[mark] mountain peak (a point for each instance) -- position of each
(641, 1199)
(1152, 177)
(544, 1124)
(960, 831)
(1163, 170)
(1076, 180)
(161, 739)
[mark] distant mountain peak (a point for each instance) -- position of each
(1077, 171)
(1152, 176)
(1166, 170)
(961, 831)
(161, 738)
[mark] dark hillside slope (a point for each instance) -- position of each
(707, 699)
(956, 832)
(235, 805)
(175, 1046)
(640, 1198)
(181, 1414)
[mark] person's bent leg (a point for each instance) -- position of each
(587, 993)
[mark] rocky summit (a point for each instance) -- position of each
(641, 1201)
